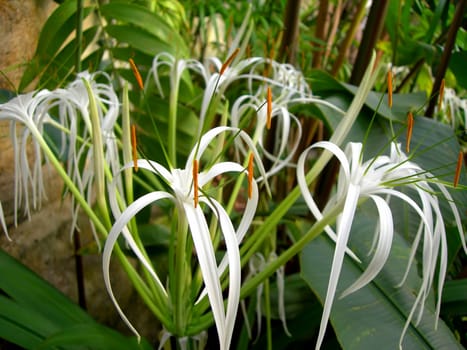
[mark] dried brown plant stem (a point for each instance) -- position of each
(347, 42)
(322, 24)
(447, 51)
(371, 34)
(336, 18)
(289, 42)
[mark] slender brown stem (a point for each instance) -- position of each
(79, 271)
(333, 30)
(447, 51)
(351, 32)
(289, 43)
(371, 34)
(321, 30)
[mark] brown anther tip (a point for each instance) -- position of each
(135, 70)
(250, 175)
(441, 95)
(195, 182)
(269, 108)
(458, 169)
(390, 88)
(229, 61)
(133, 147)
(409, 131)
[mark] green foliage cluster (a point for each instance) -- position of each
(414, 38)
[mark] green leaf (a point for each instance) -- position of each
(33, 313)
(129, 13)
(457, 66)
(139, 39)
(94, 336)
(60, 24)
(30, 291)
(374, 316)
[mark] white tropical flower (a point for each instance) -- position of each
(288, 132)
(62, 109)
(183, 192)
(256, 264)
(453, 109)
(27, 115)
(373, 179)
(218, 76)
(73, 105)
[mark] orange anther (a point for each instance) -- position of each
(409, 131)
(250, 176)
(133, 147)
(135, 70)
(269, 108)
(195, 181)
(390, 88)
(441, 95)
(458, 168)
(229, 61)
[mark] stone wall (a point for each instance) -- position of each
(43, 243)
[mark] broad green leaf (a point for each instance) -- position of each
(94, 336)
(128, 13)
(374, 316)
(34, 293)
(60, 24)
(61, 68)
(139, 39)
(16, 334)
(457, 66)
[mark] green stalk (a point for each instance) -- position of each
(98, 153)
(250, 285)
(181, 273)
(79, 34)
(173, 117)
(267, 307)
(254, 242)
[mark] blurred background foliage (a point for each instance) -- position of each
(330, 41)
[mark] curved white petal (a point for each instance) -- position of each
(386, 230)
(120, 227)
(207, 261)
(233, 255)
(343, 231)
(301, 180)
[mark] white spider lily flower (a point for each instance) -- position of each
(453, 109)
(373, 179)
(73, 104)
(218, 76)
(256, 264)
(28, 113)
(183, 193)
(288, 131)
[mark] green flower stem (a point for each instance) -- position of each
(181, 273)
(140, 286)
(250, 285)
(172, 140)
(267, 310)
(254, 242)
(98, 154)
(282, 259)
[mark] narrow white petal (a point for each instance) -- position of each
(386, 230)
(343, 231)
(2, 221)
(301, 180)
(233, 255)
(120, 227)
(207, 261)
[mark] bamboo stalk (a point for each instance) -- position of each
(447, 51)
